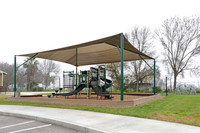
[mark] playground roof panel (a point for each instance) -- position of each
(95, 52)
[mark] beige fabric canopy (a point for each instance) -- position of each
(105, 50)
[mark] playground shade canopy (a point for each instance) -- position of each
(105, 50)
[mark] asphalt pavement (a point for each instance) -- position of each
(20, 125)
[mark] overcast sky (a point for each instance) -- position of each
(36, 25)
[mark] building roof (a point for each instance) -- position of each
(3, 72)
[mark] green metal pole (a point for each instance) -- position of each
(154, 90)
(15, 73)
(122, 66)
(76, 77)
(105, 78)
(76, 70)
(97, 87)
(76, 67)
(111, 92)
(79, 80)
(101, 92)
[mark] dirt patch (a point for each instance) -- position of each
(188, 119)
(3, 96)
(82, 100)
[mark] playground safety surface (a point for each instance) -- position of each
(82, 100)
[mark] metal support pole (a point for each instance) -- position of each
(73, 80)
(63, 82)
(79, 79)
(104, 78)
(111, 93)
(166, 86)
(76, 66)
(101, 92)
(76, 70)
(87, 77)
(76, 77)
(97, 89)
(15, 73)
(98, 82)
(122, 66)
(154, 76)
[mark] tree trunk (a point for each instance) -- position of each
(28, 83)
(137, 86)
(175, 77)
(28, 86)
(46, 84)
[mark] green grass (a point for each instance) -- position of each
(180, 108)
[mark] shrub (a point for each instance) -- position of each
(158, 89)
(37, 89)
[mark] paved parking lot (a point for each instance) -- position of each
(21, 125)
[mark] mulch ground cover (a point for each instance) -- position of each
(82, 100)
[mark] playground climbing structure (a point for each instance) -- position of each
(94, 79)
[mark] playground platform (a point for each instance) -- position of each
(92, 122)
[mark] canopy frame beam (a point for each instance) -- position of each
(15, 71)
(154, 73)
(122, 66)
(27, 60)
(116, 44)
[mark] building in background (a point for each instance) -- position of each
(1, 77)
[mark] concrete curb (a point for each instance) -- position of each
(94, 122)
(70, 125)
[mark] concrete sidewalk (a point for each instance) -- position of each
(91, 122)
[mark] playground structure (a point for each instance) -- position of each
(69, 80)
(94, 79)
(110, 49)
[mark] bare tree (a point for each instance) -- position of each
(21, 77)
(8, 78)
(141, 38)
(8, 68)
(46, 67)
(180, 39)
(114, 72)
(31, 69)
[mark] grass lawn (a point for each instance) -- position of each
(180, 108)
